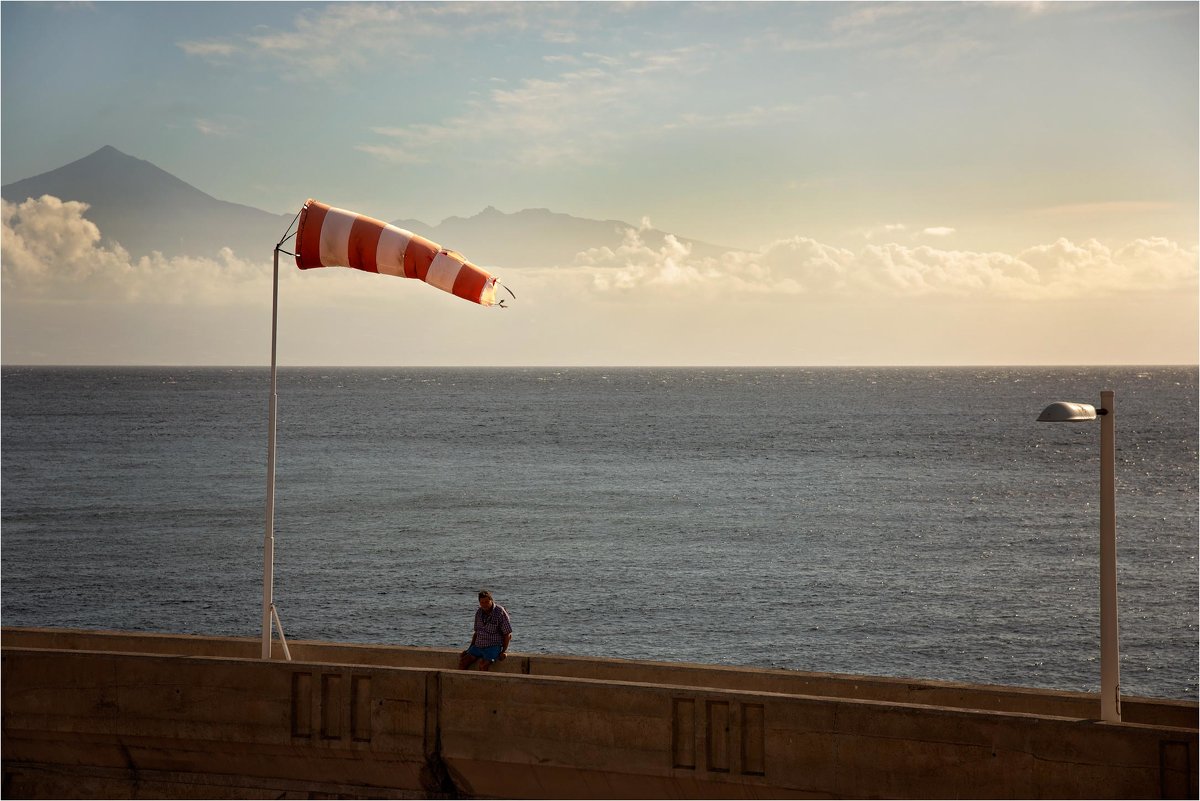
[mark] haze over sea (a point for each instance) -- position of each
(888, 521)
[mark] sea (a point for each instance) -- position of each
(907, 522)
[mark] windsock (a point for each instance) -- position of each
(333, 237)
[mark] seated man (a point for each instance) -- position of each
(493, 633)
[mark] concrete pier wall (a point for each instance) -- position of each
(90, 714)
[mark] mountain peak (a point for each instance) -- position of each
(145, 208)
(110, 155)
(101, 170)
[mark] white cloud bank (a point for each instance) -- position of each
(800, 266)
(71, 298)
(51, 250)
(53, 254)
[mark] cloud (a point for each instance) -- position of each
(53, 253)
(923, 37)
(339, 37)
(1149, 264)
(896, 230)
(392, 154)
(801, 266)
(576, 117)
(905, 32)
(594, 105)
(316, 40)
(560, 37)
(210, 128)
(213, 50)
(863, 17)
(71, 298)
(40, 236)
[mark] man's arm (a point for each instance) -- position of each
(505, 631)
(504, 648)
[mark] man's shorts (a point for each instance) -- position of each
(490, 653)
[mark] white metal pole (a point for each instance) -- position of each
(1110, 666)
(282, 638)
(269, 535)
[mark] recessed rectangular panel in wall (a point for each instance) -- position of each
(753, 746)
(302, 705)
(683, 733)
(331, 706)
(360, 708)
(718, 736)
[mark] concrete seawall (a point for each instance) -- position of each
(106, 714)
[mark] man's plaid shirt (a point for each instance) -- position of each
(490, 627)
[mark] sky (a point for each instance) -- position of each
(927, 183)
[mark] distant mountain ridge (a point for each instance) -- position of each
(145, 209)
(537, 237)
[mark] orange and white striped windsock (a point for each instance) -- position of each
(333, 237)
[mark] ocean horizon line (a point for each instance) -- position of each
(864, 366)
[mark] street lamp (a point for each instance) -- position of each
(1110, 671)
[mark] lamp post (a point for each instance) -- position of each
(1110, 671)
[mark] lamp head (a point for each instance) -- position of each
(1065, 412)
